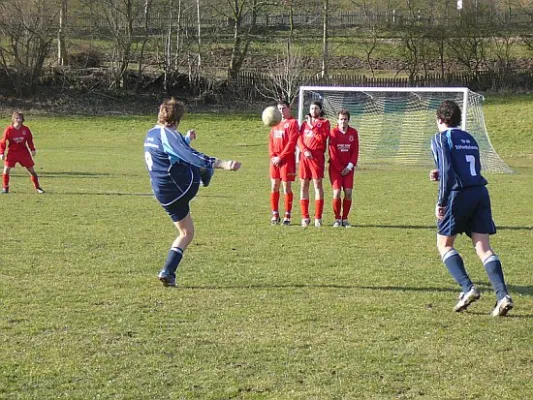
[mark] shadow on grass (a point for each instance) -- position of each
(483, 286)
(74, 174)
(433, 227)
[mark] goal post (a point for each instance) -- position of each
(396, 124)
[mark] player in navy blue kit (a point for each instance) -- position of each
(176, 170)
(463, 206)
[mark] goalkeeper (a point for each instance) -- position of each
(176, 170)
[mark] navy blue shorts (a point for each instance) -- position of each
(468, 211)
(180, 208)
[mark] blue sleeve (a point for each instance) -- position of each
(178, 150)
(440, 146)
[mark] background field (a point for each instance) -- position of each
(261, 312)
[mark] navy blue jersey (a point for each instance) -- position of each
(456, 155)
(172, 163)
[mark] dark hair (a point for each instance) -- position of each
(170, 112)
(283, 102)
(449, 113)
(344, 112)
(319, 104)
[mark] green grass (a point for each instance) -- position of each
(261, 312)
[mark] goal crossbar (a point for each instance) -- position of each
(396, 124)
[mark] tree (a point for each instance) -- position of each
(283, 82)
(28, 31)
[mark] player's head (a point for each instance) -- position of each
(284, 108)
(449, 114)
(17, 117)
(343, 118)
(315, 109)
(170, 112)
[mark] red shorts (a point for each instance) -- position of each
(286, 170)
(312, 168)
(340, 182)
(23, 159)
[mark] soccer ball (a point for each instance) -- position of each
(271, 116)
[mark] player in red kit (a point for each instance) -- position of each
(282, 148)
(343, 155)
(312, 143)
(20, 144)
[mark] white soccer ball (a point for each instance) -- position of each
(271, 116)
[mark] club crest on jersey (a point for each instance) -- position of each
(351, 138)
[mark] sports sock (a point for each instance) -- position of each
(456, 267)
(319, 208)
(5, 180)
(304, 205)
(337, 203)
(493, 266)
(174, 257)
(288, 202)
(35, 180)
(346, 206)
(274, 201)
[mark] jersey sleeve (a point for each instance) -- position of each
(333, 152)
(29, 140)
(443, 160)
(178, 149)
(354, 157)
(3, 141)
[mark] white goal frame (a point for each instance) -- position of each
(464, 108)
(472, 121)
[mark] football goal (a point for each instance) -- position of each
(396, 124)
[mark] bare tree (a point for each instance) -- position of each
(28, 32)
(61, 44)
(119, 16)
(283, 82)
(467, 40)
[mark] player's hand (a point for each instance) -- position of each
(439, 212)
(275, 160)
(309, 119)
(191, 135)
(345, 171)
(308, 154)
(434, 175)
(33, 152)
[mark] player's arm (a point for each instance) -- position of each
(445, 167)
(354, 152)
(301, 145)
(333, 152)
(29, 142)
(3, 143)
(179, 151)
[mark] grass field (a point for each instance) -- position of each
(261, 312)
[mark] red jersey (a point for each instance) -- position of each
(283, 138)
(314, 138)
(343, 148)
(19, 140)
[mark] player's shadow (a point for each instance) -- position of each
(433, 227)
(74, 174)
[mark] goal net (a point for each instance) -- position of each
(396, 124)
